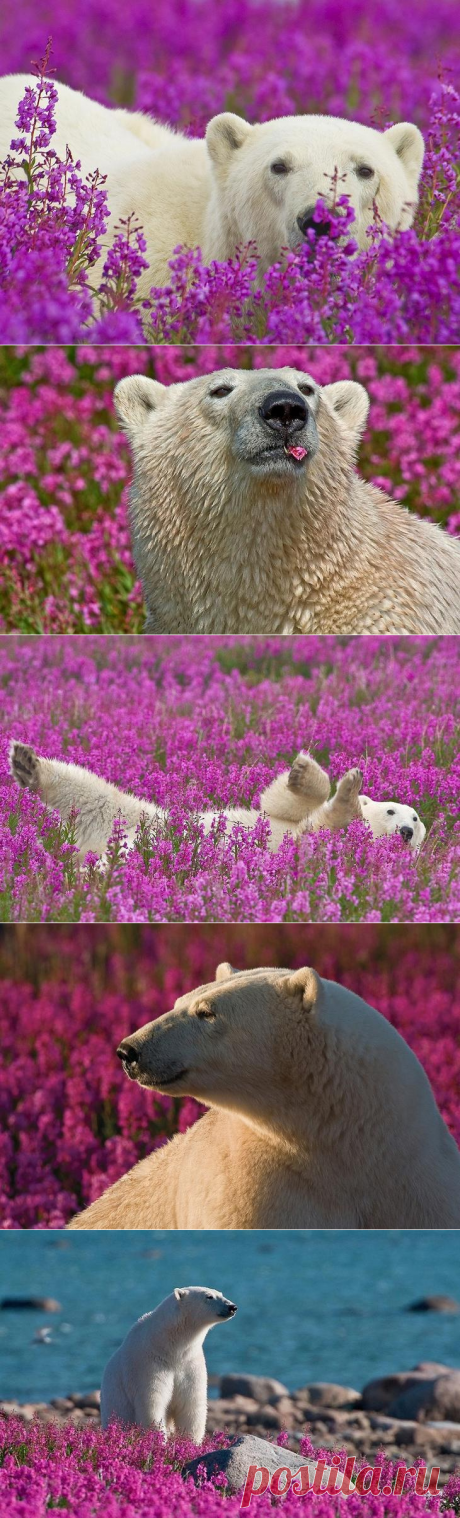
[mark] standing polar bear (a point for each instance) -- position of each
(296, 801)
(248, 516)
(320, 1115)
(157, 1378)
(240, 184)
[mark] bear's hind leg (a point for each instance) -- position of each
(308, 781)
(344, 806)
(292, 796)
(25, 766)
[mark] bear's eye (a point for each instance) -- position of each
(209, 1296)
(205, 1009)
(306, 389)
(280, 167)
(220, 391)
(390, 812)
(415, 819)
(364, 171)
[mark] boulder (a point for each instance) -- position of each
(435, 1398)
(88, 1400)
(245, 1451)
(280, 1415)
(380, 1395)
(434, 1304)
(261, 1388)
(330, 1394)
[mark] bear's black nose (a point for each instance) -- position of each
(406, 834)
(284, 411)
(232, 1309)
(306, 224)
(127, 1052)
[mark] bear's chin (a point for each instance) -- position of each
(161, 1083)
(277, 464)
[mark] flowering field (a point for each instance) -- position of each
(65, 552)
(183, 61)
(197, 722)
(71, 1123)
(120, 1474)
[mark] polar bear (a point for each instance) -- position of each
(247, 514)
(297, 801)
(384, 818)
(320, 1115)
(157, 1378)
(240, 184)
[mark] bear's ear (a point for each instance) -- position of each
(304, 985)
(224, 135)
(135, 398)
(225, 971)
(408, 144)
(350, 403)
(179, 1292)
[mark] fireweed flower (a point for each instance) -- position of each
(396, 290)
(207, 723)
(126, 1473)
(70, 1122)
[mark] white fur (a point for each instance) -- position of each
(232, 533)
(321, 1116)
(157, 1378)
(387, 817)
(221, 192)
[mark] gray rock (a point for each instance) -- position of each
(379, 1396)
(429, 1368)
(261, 1388)
(280, 1415)
(329, 1394)
(434, 1304)
(246, 1451)
(89, 1400)
(435, 1398)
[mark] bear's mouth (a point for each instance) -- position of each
(145, 1077)
(160, 1082)
(291, 457)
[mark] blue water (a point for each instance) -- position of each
(312, 1305)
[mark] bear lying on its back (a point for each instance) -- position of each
(240, 184)
(248, 516)
(296, 801)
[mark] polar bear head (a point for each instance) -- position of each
(205, 440)
(202, 1307)
(268, 178)
(387, 817)
(285, 1049)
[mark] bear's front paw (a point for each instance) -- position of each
(24, 765)
(350, 785)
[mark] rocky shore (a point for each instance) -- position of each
(410, 1415)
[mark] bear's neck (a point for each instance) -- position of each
(254, 559)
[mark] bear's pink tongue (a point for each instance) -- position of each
(297, 453)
